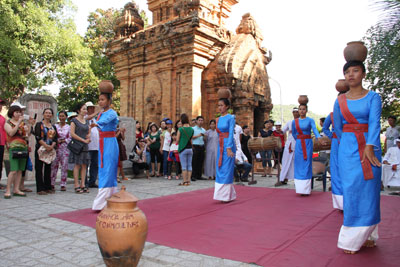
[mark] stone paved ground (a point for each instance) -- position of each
(29, 237)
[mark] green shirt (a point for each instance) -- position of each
(184, 140)
(156, 144)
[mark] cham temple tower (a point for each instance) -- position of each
(178, 64)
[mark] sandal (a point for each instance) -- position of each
(63, 188)
(177, 177)
(26, 190)
(19, 195)
(183, 183)
(78, 190)
(169, 177)
(7, 196)
(187, 184)
(85, 190)
(41, 193)
(119, 181)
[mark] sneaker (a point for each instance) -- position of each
(165, 176)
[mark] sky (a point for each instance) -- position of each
(306, 39)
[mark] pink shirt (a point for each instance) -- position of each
(3, 134)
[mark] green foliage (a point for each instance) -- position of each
(34, 43)
(383, 62)
(288, 116)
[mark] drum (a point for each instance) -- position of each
(318, 147)
(264, 143)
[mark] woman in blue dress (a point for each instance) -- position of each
(224, 190)
(337, 194)
(357, 117)
(107, 122)
(301, 131)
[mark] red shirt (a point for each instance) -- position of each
(3, 134)
(280, 135)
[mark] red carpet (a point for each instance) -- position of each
(269, 227)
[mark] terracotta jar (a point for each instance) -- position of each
(121, 229)
(303, 100)
(355, 51)
(224, 93)
(342, 86)
(106, 86)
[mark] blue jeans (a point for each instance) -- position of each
(93, 168)
(165, 162)
(148, 160)
(186, 159)
(244, 166)
(264, 155)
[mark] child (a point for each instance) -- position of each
(173, 156)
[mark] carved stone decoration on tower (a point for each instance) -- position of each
(129, 22)
(240, 67)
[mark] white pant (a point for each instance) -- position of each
(303, 186)
(224, 192)
(390, 177)
(101, 199)
(352, 238)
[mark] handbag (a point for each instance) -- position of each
(133, 156)
(19, 154)
(75, 147)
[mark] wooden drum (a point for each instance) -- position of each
(261, 144)
(318, 147)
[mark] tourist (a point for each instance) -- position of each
(357, 116)
(390, 167)
(163, 130)
(46, 136)
(198, 149)
(184, 142)
(266, 155)
(120, 135)
(211, 151)
(145, 136)
(392, 133)
(64, 137)
(31, 121)
(154, 145)
(16, 131)
(336, 185)
(178, 124)
(140, 163)
(287, 172)
(193, 123)
(93, 147)
(279, 133)
(244, 140)
(138, 131)
(224, 190)
(107, 122)
(325, 154)
(241, 164)
(301, 131)
(3, 138)
(173, 156)
(166, 140)
(79, 154)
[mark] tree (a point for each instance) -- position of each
(84, 84)
(383, 63)
(37, 38)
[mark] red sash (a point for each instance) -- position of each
(103, 135)
(358, 129)
(302, 138)
(333, 126)
(221, 137)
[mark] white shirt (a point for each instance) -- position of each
(288, 128)
(173, 147)
(240, 156)
(236, 135)
(392, 133)
(392, 156)
(94, 137)
(167, 141)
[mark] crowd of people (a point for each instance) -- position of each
(219, 153)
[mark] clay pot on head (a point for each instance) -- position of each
(106, 86)
(342, 86)
(121, 229)
(355, 51)
(224, 93)
(303, 99)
